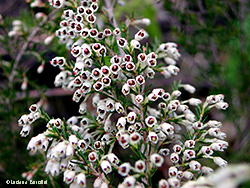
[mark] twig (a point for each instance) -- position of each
(236, 13)
(35, 94)
(214, 51)
(109, 9)
(201, 7)
(24, 47)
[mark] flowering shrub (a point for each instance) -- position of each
(112, 69)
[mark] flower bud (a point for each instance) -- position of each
(152, 137)
(135, 138)
(189, 88)
(144, 21)
(174, 182)
(221, 105)
(172, 69)
(195, 165)
(106, 167)
(25, 131)
(172, 171)
(214, 124)
(131, 117)
(167, 128)
(85, 33)
(189, 154)
(124, 169)
(206, 150)
(169, 61)
(152, 62)
(173, 105)
(188, 175)
(220, 162)
(58, 3)
(140, 35)
(113, 158)
(124, 140)
(81, 179)
(216, 147)
(164, 151)
(122, 42)
(131, 82)
(190, 117)
(76, 51)
(174, 157)
(177, 148)
(73, 140)
(156, 159)
(98, 86)
(135, 44)
(97, 145)
(139, 98)
(176, 93)
(189, 143)
(125, 89)
(49, 39)
(130, 66)
(163, 184)
(70, 150)
(93, 33)
(207, 170)
(129, 181)
(107, 32)
(152, 97)
(38, 4)
(150, 121)
(194, 101)
(166, 96)
(68, 176)
(150, 73)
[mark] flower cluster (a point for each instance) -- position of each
(17, 28)
(113, 70)
(27, 119)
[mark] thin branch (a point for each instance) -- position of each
(214, 51)
(25, 46)
(236, 13)
(55, 92)
(201, 7)
(111, 17)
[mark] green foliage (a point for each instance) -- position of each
(141, 9)
(219, 30)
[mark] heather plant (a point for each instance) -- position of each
(125, 129)
(24, 49)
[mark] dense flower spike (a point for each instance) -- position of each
(111, 70)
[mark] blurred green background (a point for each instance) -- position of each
(214, 41)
